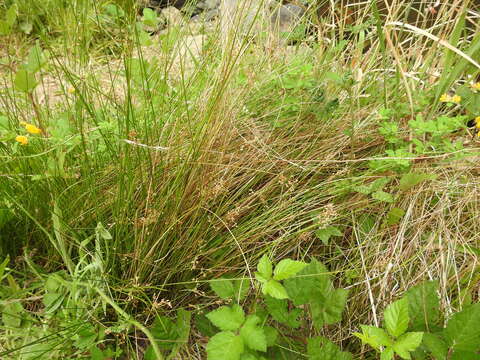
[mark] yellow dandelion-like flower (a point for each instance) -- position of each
(475, 86)
(450, 99)
(444, 98)
(456, 99)
(32, 129)
(23, 140)
(71, 90)
(477, 122)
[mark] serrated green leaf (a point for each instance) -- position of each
(150, 17)
(320, 348)
(436, 345)
(227, 318)
(396, 317)
(462, 331)
(279, 311)
(275, 289)
(326, 233)
(407, 343)
(225, 346)
(327, 309)
(383, 196)
(25, 81)
(287, 268)
(387, 354)
(164, 330)
(265, 267)
(223, 288)
(311, 282)
(253, 335)
(423, 306)
(412, 179)
(374, 336)
(271, 335)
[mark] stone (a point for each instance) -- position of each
(173, 16)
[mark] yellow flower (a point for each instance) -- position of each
(22, 139)
(475, 86)
(456, 99)
(452, 99)
(71, 90)
(32, 129)
(444, 98)
(477, 122)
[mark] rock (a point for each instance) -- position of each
(286, 17)
(172, 15)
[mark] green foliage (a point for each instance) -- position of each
(302, 284)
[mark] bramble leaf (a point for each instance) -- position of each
(436, 345)
(327, 309)
(423, 306)
(275, 289)
(387, 354)
(407, 343)
(264, 267)
(227, 318)
(287, 268)
(320, 348)
(253, 335)
(374, 336)
(223, 288)
(396, 317)
(225, 346)
(463, 330)
(279, 311)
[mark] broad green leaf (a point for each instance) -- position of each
(35, 60)
(423, 306)
(287, 268)
(271, 335)
(394, 216)
(463, 330)
(205, 326)
(279, 311)
(164, 330)
(327, 309)
(407, 343)
(227, 318)
(311, 282)
(320, 348)
(436, 345)
(12, 314)
(253, 335)
(411, 179)
(463, 355)
(223, 288)
(275, 289)
(230, 288)
(326, 233)
(264, 267)
(374, 336)
(387, 354)
(225, 346)
(150, 17)
(25, 81)
(396, 317)
(383, 196)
